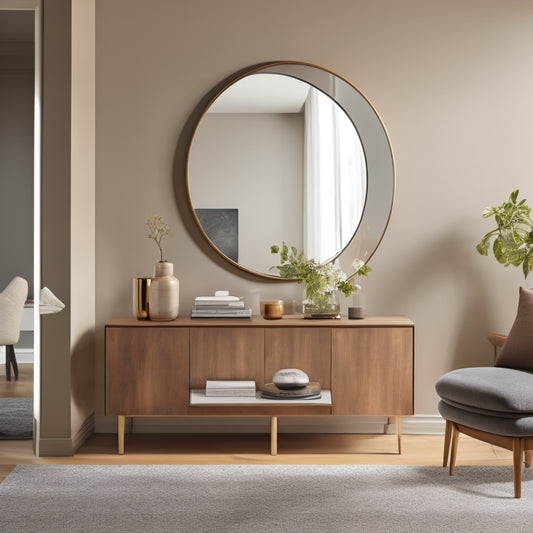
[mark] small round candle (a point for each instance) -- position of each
(272, 310)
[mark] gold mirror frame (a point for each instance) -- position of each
(376, 146)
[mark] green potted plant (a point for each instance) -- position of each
(322, 280)
(513, 235)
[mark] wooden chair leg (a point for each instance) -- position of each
(399, 433)
(527, 458)
(518, 449)
(447, 438)
(453, 455)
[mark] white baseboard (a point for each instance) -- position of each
(24, 355)
(64, 446)
(85, 431)
(420, 425)
(55, 447)
(414, 425)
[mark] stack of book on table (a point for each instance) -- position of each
(224, 306)
(220, 387)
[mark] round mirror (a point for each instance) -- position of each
(290, 152)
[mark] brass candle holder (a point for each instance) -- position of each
(272, 310)
(141, 297)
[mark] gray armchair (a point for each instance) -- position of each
(495, 404)
(12, 300)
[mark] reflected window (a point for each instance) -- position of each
(334, 178)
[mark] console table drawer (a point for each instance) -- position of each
(226, 353)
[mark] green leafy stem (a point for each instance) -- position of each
(513, 236)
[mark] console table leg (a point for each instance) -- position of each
(274, 435)
(399, 433)
(121, 426)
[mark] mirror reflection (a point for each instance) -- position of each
(275, 158)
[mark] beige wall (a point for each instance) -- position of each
(54, 428)
(82, 200)
(452, 82)
(67, 221)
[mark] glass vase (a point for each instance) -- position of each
(325, 305)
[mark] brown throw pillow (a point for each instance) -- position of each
(517, 352)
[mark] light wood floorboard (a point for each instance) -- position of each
(23, 386)
(254, 449)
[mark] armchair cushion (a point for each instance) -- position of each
(517, 352)
(503, 392)
(498, 425)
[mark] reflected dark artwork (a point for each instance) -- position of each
(222, 228)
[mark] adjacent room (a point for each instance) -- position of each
(255, 236)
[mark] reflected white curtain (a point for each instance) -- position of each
(334, 178)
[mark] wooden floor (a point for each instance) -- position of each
(254, 449)
(247, 449)
(23, 386)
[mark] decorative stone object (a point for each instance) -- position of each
(290, 378)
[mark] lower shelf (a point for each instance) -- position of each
(198, 397)
(202, 405)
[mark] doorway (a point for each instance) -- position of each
(20, 200)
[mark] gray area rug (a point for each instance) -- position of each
(16, 418)
(261, 498)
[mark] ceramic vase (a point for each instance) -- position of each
(164, 293)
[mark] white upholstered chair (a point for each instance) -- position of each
(12, 300)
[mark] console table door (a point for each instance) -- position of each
(147, 371)
(372, 371)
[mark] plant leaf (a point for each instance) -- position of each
(527, 265)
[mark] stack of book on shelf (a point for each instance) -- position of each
(220, 387)
(309, 392)
(224, 306)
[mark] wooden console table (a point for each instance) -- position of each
(365, 367)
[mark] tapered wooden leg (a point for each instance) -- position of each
(274, 435)
(121, 426)
(447, 438)
(399, 433)
(518, 449)
(453, 455)
(527, 458)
